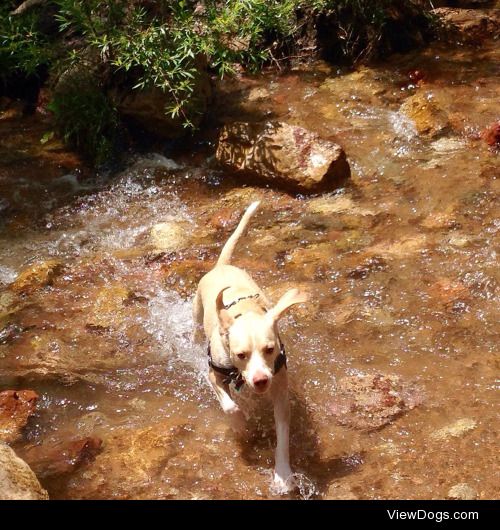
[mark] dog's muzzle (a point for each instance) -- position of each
(233, 375)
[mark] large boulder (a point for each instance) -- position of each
(283, 154)
(17, 480)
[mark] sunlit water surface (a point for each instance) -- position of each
(402, 266)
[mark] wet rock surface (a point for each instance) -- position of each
(129, 464)
(16, 406)
(491, 135)
(17, 481)
(286, 154)
(58, 459)
(455, 430)
(36, 276)
(462, 492)
(371, 401)
(430, 119)
(471, 26)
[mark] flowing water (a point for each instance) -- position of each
(401, 264)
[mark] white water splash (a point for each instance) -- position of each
(302, 483)
(7, 275)
(170, 322)
(403, 126)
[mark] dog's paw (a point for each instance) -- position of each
(284, 483)
(237, 419)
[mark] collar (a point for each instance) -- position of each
(233, 375)
(234, 302)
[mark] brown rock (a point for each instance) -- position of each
(491, 135)
(470, 26)
(17, 480)
(16, 406)
(462, 492)
(169, 236)
(129, 465)
(36, 276)
(225, 218)
(369, 402)
(49, 460)
(285, 154)
(456, 429)
(430, 119)
(109, 306)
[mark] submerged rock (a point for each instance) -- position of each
(16, 406)
(455, 430)
(36, 276)
(430, 119)
(462, 492)
(49, 460)
(109, 307)
(369, 402)
(130, 463)
(169, 236)
(284, 154)
(17, 480)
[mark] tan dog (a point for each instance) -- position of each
(244, 346)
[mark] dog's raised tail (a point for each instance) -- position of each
(228, 249)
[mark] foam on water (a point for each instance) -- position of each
(403, 126)
(7, 275)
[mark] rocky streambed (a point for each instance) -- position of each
(392, 363)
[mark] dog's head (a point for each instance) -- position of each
(253, 341)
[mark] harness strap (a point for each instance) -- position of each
(234, 302)
(233, 375)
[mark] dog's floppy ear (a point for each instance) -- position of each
(291, 297)
(225, 319)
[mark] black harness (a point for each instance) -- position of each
(233, 375)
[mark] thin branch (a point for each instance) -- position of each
(27, 4)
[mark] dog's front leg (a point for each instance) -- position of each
(226, 402)
(283, 478)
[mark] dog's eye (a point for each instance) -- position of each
(241, 356)
(269, 350)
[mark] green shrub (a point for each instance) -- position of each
(142, 44)
(86, 119)
(23, 48)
